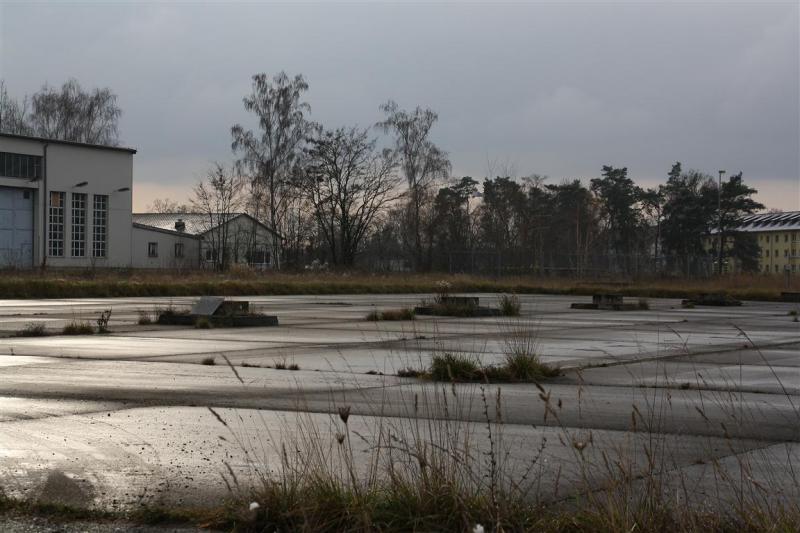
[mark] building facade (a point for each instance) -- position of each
(242, 239)
(64, 204)
(778, 237)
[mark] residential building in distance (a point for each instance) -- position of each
(778, 236)
(201, 238)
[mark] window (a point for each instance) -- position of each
(766, 253)
(786, 238)
(178, 249)
(260, 257)
(55, 241)
(767, 238)
(152, 249)
(20, 165)
(99, 225)
(210, 254)
(78, 224)
(786, 253)
(776, 253)
(776, 268)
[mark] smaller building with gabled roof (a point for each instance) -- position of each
(201, 240)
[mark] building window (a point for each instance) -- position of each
(20, 165)
(210, 254)
(78, 224)
(55, 242)
(100, 225)
(776, 253)
(786, 238)
(179, 249)
(786, 253)
(766, 253)
(776, 268)
(767, 237)
(152, 249)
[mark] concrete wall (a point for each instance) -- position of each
(105, 171)
(165, 242)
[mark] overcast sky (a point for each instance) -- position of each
(558, 89)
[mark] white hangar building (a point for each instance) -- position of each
(64, 204)
(68, 205)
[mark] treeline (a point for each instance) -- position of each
(346, 196)
(610, 226)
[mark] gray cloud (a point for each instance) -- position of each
(552, 89)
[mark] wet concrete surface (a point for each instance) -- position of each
(124, 418)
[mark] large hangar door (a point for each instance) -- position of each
(16, 227)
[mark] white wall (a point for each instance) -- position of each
(166, 249)
(105, 171)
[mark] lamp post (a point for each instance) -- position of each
(719, 221)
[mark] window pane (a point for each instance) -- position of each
(55, 241)
(78, 225)
(99, 225)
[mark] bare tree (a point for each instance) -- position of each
(73, 114)
(422, 163)
(271, 153)
(165, 205)
(218, 198)
(348, 183)
(13, 114)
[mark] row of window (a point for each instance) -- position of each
(78, 207)
(20, 165)
(777, 238)
(777, 268)
(785, 253)
(152, 250)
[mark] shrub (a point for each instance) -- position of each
(510, 305)
(526, 367)
(102, 321)
(644, 304)
(793, 312)
(208, 361)
(374, 316)
(202, 323)
(293, 366)
(78, 328)
(454, 367)
(409, 372)
(144, 318)
(31, 329)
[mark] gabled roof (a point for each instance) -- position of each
(786, 221)
(194, 223)
(44, 140)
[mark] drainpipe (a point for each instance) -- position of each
(44, 207)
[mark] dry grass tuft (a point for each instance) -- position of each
(78, 328)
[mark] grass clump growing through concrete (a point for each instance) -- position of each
(78, 328)
(202, 323)
(391, 315)
(31, 329)
(510, 305)
(208, 361)
(145, 318)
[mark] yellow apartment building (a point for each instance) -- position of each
(778, 236)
